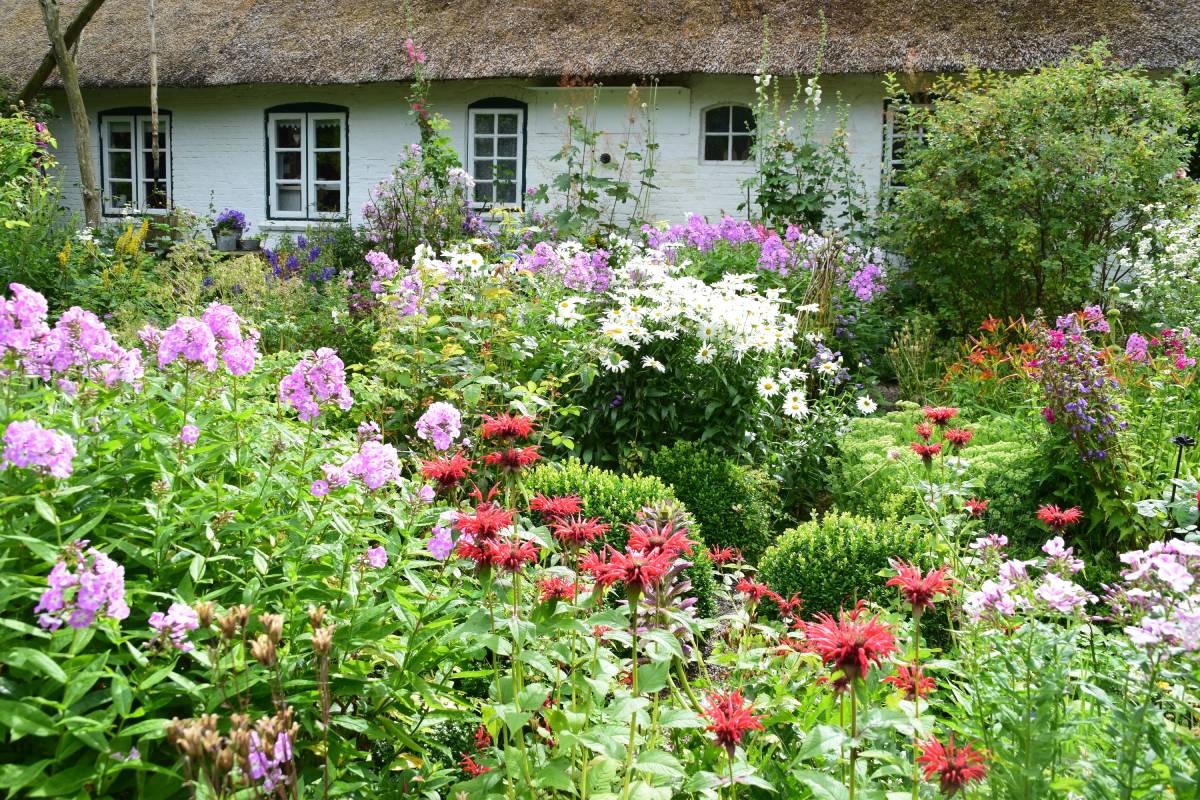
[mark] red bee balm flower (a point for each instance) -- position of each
(514, 459)
(904, 680)
(556, 588)
(1057, 519)
(958, 437)
(512, 556)
(482, 738)
(637, 571)
(954, 767)
(924, 430)
(729, 718)
(788, 607)
(754, 591)
(471, 768)
(646, 537)
(919, 591)
(941, 415)
(724, 555)
(926, 451)
(508, 426)
(556, 507)
(448, 472)
(850, 643)
(576, 531)
(977, 508)
(488, 520)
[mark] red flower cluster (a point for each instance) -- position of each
(574, 532)
(447, 471)
(954, 767)
(729, 718)
(919, 591)
(957, 437)
(479, 531)
(940, 415)
(556, 588)
(926, 451)
(511, 555)
(513, 459)
(471, 768)
(1057, 519)
(977, 508)
(724, 555)
(850, 643)
(924, 430)
(638, 571)
(913, 683)
(789, 607)
(753, 590)
(647, 537)
(507, 426)
(554, 508)
(482, 738)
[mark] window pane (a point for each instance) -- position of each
(741, 147)
(485, 146)
(287, 166)
(329, 166)
(485, 123)
(506, 192)
(507, 123)
(148, 170)
(483, 170)
(716, 120)
(120, 136)
(156, 194)
(507, 146)
(329, 199)
(162, 134)
(506, 170)
(120, 165)
(743, 119)
(329, 132)
(121, 192)
(716, 148)
(483, 192)
(287, 132)
(289, 198)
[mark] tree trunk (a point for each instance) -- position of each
(154, 95)
(70, 36)
(79, 118)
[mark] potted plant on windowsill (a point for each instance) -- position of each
(248, 242)
(227, 229)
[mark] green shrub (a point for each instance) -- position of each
(1027, 184)
(875, 473)
(733, 503)
(704, 584)
(836, 560)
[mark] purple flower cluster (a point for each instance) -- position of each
(189, 435)
(383, 268)
(368, 432)
(441, 544)
(1158, 599)
(22, 320)
(703, 235)
(375, 557)
(317, 378)
(190, 339)
(174, 625)
(1014, 589)
(441, 423)
(78, 341)
(266, 768)
(581, 270)
(30, 446)
(375, 464)
(867, 283)
(96, 587)
(216, 335)
(239, 353)
(1079, 390)
(230, 219)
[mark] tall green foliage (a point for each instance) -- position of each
(1027, 185)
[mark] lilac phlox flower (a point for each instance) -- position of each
(375, 464)
(96, 587)
(441, 423)
(268, 769)
(992, 544)
(175, 624)
(189, 435)
(30, 446)
(994, 598)
(22, 319)
(319, 488)
(441, 543)
(426, 494)
(80, 339)
(368, 431)
(1060, 557)
(1137, 348)
(1062, 595)
(383, 268)
(238, 352)
(190, 339)
(867, 282)
(317, 378)
(774, 256)
(337, 476)
(376, 557)
(1014, 572)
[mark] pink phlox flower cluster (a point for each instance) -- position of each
(441, 544)
(376, 464)
(317, 378)
(95, 587)
(1061, 559)
(991, 545)
(1015, 588)
(190, 339)
(174, 625)
(441, 424)
(376, 557)
(22, 320)
(267, 768)
(30, 446)
(239, 353)
(383, 268)
(80, 340)
(368, 432)
(1158, 600)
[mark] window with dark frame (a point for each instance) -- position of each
(728, 133)
(496, 155)
(130, 179)
(306, 163)
(901, 133)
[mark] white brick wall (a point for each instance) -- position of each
(219, 135)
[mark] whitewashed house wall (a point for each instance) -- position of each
(218, 146)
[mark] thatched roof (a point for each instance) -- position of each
(218, 42)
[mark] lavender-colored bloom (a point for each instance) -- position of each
(337, 476)
(80, 340)
(377, 557)
(1062, 595)
(189, 435)
(22, 320)
(231, 219)
(95, 588)
(317, 378)
(426, 494)
(1137, 348)
(376, 464)
(175, 624)
(190, 339)
(319, 488)
(368, 431)
(992, 544)
(441, 423)
(45, 450)
(1061, 558)
(441, 544)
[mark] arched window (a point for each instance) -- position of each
(496, 151)
(128, 175)
(728, 133)
(307, 152)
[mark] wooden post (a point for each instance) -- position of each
(153, 97)
(79, 118)
(70, 36)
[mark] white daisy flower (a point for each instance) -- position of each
(653, 363)
(828, 368)
(794, 405)
(705, 354)
(768, 386)
(866, 405)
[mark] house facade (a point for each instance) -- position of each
(291, 112)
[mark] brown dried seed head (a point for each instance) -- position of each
(263, 650)
(204, 613)
(315, 615)
(273, 623)
(323, 640)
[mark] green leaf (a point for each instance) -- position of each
(36, 660)
(45, 511)
(25, 719)
(122, 697)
